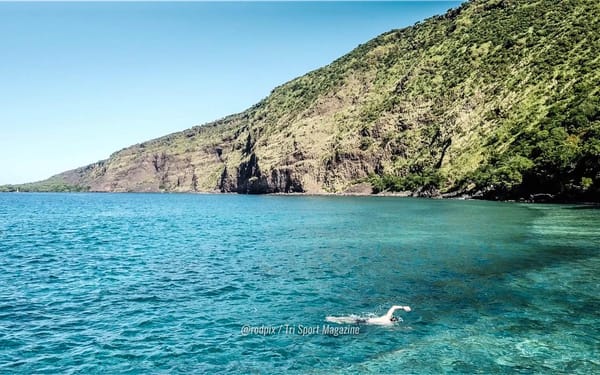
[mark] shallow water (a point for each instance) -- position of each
(139, 283)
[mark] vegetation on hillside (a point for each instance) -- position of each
(50, 185)
(498, 99)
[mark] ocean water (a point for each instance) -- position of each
(151, 283)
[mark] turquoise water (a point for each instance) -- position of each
(150, 283)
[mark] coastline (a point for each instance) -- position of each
(387, 194)
(465, 197)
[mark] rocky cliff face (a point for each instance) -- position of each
(456, 103)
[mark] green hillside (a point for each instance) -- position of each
(498, 99)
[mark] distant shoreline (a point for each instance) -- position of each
(322, 194)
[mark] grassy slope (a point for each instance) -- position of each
(499, 96)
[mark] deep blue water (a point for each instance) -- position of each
(150, 283)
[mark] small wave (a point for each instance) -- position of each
(352, 319)
(220, 291)
(349, 319)
(145, 299)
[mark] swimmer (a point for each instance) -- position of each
(386, 319)
(389, 317)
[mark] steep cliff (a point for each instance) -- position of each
(498, 98)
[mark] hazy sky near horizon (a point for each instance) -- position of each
(79, 81)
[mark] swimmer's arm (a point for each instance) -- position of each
(390, 312)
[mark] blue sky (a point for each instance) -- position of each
(79, 81)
